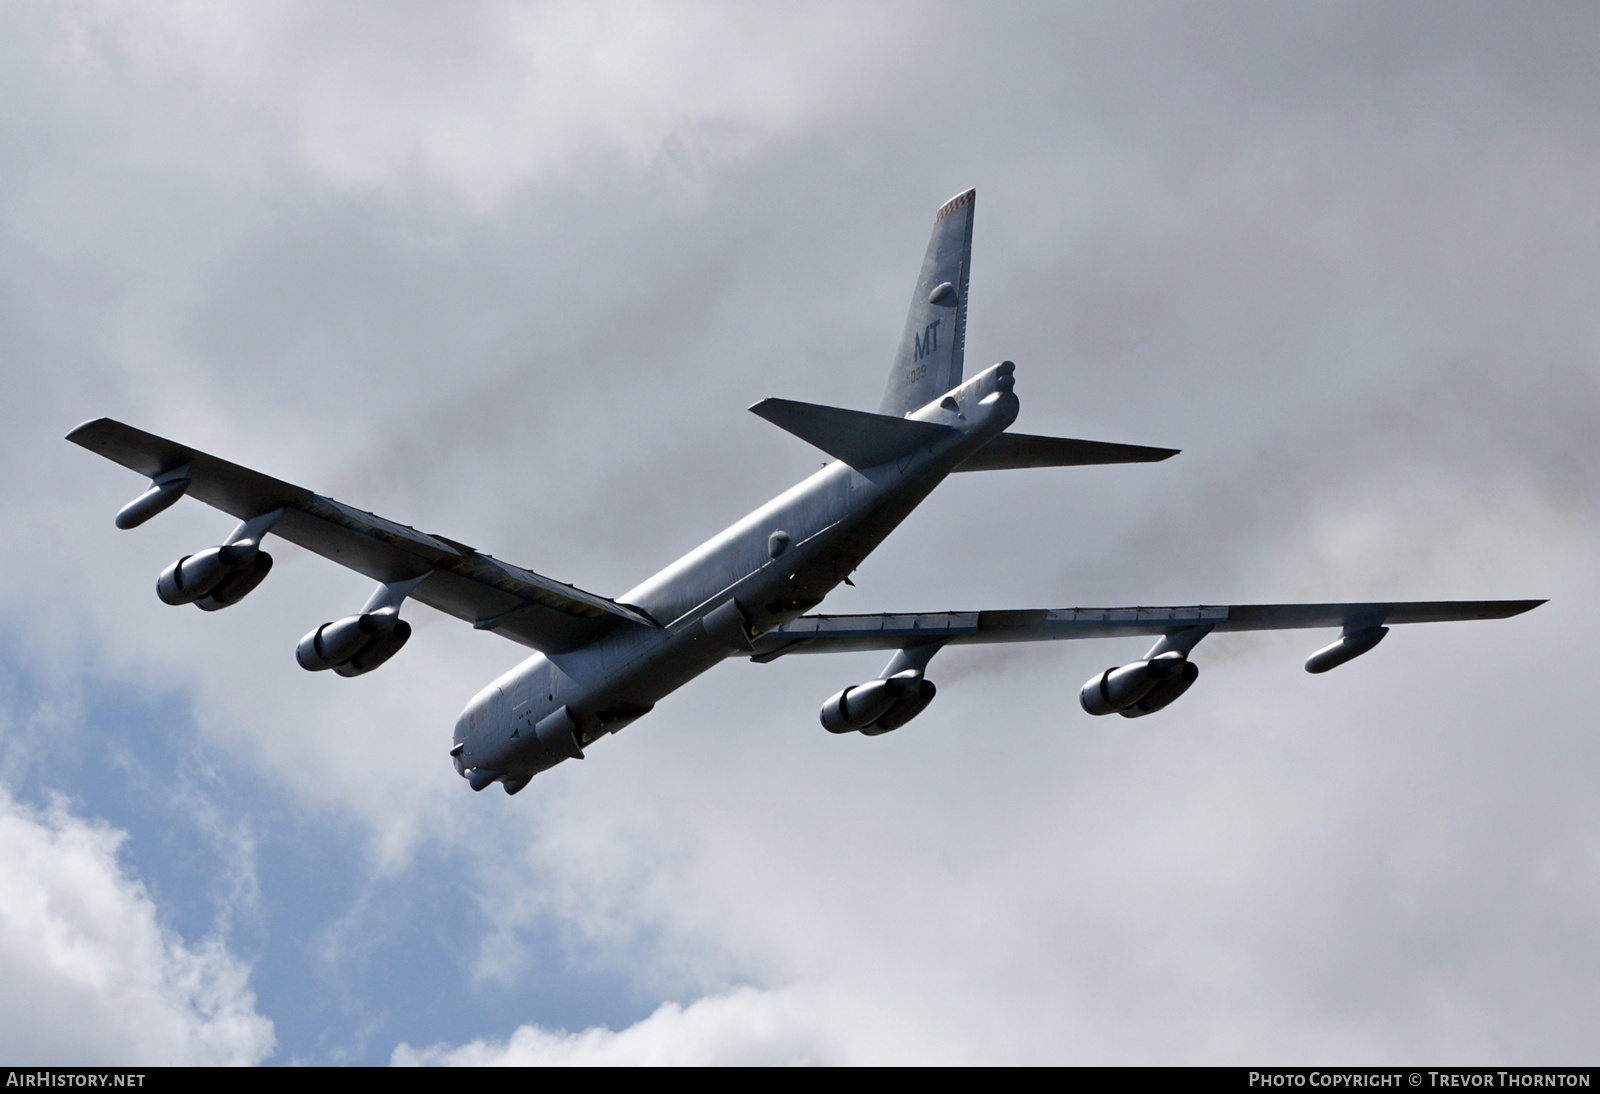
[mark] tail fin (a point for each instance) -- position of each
(929, 361)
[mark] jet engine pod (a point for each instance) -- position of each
(218, 576)
(237, 583)
(383, 645)
(1163, 693)
(903, 710)
(1119, 688)
(858, 707)
(191, 577)
(335, 643)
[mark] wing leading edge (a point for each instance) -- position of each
(844, 633)
(518, 604)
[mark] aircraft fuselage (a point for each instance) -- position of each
(766, 569)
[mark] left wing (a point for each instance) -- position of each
(842, 633)
(518, 604)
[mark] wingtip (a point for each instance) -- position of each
(74, 435)
(1505, 609)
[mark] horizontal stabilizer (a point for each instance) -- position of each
(857, 437)
(1013, 450)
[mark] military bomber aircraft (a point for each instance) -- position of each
(602, 663)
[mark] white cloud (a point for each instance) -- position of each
(482, 99)
(1392, 860)
(1362, 310)
(87, 973)
(742, 1028)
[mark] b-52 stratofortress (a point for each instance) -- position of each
(601, 663)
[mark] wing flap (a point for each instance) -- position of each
(519, 604)
(1010, 451)
(845, 633)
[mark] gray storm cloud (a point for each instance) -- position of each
(512, 273)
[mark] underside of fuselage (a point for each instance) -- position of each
(767, 569)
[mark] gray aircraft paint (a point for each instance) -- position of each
(604, 663)
(834, 519)
(929, 360)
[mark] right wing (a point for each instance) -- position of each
(492, 595)
(843, 633)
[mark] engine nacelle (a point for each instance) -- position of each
(237, 583)
(193, 576)
(1163, 693)
(354, 644)
(903, 710)
(383, 645)
(858, 708)
(1117, 689)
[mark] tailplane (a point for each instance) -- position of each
(1009, 451)
(929, 360)
(860, 439)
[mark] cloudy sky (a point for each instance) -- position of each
(512, 272)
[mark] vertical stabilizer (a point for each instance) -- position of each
(929, 360)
